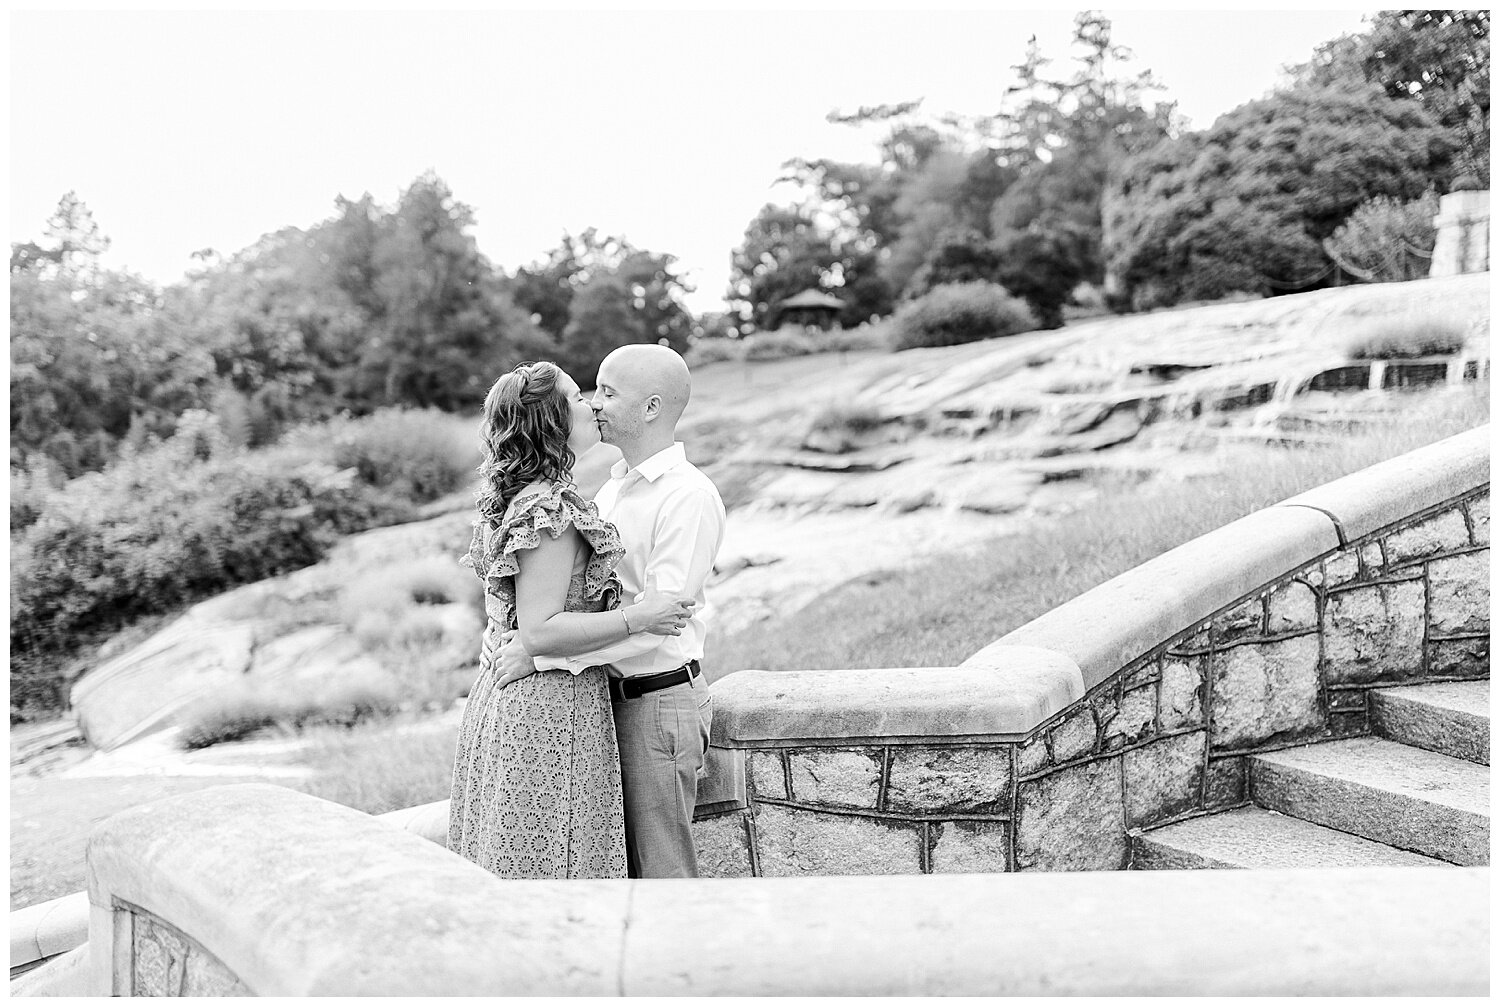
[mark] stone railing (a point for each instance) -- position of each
(1134, 705)
(256, 889)
(1463, 233)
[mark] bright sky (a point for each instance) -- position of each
(186, 130)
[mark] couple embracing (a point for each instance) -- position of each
(585, 734)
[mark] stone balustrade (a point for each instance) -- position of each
(1131, 706)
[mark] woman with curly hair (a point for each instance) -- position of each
(536, 777)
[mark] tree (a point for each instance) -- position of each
(784, 252)
(548, 290)
(1437, 58)
(602, 317)
(1246, 204)
(94, 353)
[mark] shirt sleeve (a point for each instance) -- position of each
(688, 530)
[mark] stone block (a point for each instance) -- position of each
(1479, 518)
(1072, 820)
(1242, 622)
(836, 777)
(1372, 558)
(1438, 534)
(1181, 703)
(1265, 690)
(1224, 783)
(1032, 756)
(969, 847)
(1459, 658)
(793, 842)
(767, 776)
(1458, 591)
(949, 779)
(1163, 779)
(1374, 633)
(206, 976)
(1135, 720)
(1341, 568)
(1291, 608)
(723, 844)
(1075, 736)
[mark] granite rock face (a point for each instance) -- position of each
(927, 780)
(836, 777)
(1459, 593)
(969, 847)
(1072, 820)
(723, 844)
(1163, 779)
(794, 842)
(1262, 690)
(1374, 633)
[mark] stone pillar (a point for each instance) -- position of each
(1463, 238)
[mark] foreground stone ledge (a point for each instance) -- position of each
(1106, 628)
(1389, 491)
(298, 897)
(1004, 694)
(363, 908)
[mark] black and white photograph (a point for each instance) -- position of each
(749, 502)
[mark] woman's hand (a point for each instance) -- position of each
(515, 663)
(662, 613)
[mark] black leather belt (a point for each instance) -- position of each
(621, 689)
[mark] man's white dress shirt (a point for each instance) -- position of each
(671, 521)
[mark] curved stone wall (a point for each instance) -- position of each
(1131, 706)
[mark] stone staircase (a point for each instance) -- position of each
(1416, 792)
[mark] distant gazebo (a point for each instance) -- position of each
(811, 308)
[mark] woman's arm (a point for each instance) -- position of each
(542, 592)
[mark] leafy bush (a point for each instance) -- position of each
(960, 313)
(166, 528)
(420, 454)
(1408, 337)
(779, 344)
(712, 351)
(1387, 240)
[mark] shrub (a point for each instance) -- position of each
(778, 345)
(420, 454)
(1408, 337)
(712, 351)
(864, 338)
(1387, 240)
(960, 313)
(165, 528)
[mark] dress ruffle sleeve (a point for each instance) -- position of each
(494, 548)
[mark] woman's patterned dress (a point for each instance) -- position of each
(536, 778)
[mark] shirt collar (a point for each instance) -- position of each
(653, 468)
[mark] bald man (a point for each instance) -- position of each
(671, 521)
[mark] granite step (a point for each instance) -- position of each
(1255, 838)
(1451, 718)
(1395, 794)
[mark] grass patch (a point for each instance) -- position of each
(238, 714)
(1404, 338)
(951, 606)
(383, 768)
